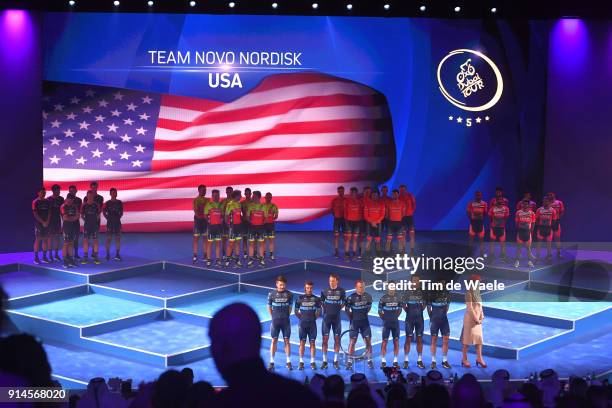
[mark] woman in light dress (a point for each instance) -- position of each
(472, 325)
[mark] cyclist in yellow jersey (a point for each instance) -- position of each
(271, 214)
(199, 222)
(228, 197)
(214, 216)
(233, 220)
(244, 203)
(256, 217)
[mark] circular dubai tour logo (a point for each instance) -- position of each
(470, 81)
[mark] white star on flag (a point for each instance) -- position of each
(81, 160)
(112, 145)
(141, 131)
(55, 141)
(147, 100)
(83, 125)
(108, 162)
(103, 103)
(144, 116)
(54, 159)
(58, 107)
(71, 116)
(100, 118)
(136, 163)
(96, 153)
(112, 128)
(128, 121)
(125, 155)
(69, 133)
(131, 107)
(115, 113)
(126, 138)
(87, 109)
(56, 124)
(140, 148)
(74, 100)
(83, 143)
(118, 96)
(69, 151)
(97, 135)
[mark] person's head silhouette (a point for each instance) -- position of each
(235, 335)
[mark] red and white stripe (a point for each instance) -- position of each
(297, 136)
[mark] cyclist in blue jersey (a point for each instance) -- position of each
(437, 308)
(280, 302)
(389, 309)
(333, 299)
(414, 304)
(358, 306)
(308, 309)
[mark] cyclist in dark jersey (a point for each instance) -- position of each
(437, 309)
(40, 211)
(55, 221)
(546, 216)
(113, 211)
(70, 216)
(358, 305)
(72, 192)
(90, 212)
(245, 203)
(256, 214)
(308, 310)
(233, 220)
(271, 213)
(414, 304)
(389, 309)
(476, 211)
(333, 299)
(280, 302)
(200, 227)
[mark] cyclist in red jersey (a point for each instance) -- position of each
(337, 207)
(545, 217)
(408, 220)
(385, 198)
(353, 216)
(524, 218)
(499, 193)
(374, 214)
(498, 215)
(395, 213)
(527, 196)
(556, 226)
(476, 212)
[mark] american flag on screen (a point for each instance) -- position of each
(297, 136)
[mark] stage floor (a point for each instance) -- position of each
(137, 317)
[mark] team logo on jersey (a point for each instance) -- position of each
(470, 81)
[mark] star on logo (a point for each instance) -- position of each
(58, 107)
(87, 109)
(147, 100)
(69, 151)
(478, 120)
(144, 116)
(112, 128)
(450, 118)
(71, 115)
(81, 160)
(126, 138)
(103, 103)
(54, 159)
(74, 100)
(115, 113)
(55, 141)
(90, 92)
(97, 135)
(83, 143)
(125, 155)
(118, 96)
(83, 125)
(100, 118)
(131, 107)
(140, 148)
(56, 124)
(141, 131)
(136, 163)
(487, 118)
(459, 120)
(96, 153)
(69, 133)
(111, 146)
(128, 121)
(108, 162)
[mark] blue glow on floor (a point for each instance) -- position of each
(160, 336)
(215, 302)
(562, 310)
(87, 309)
(24, 282)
